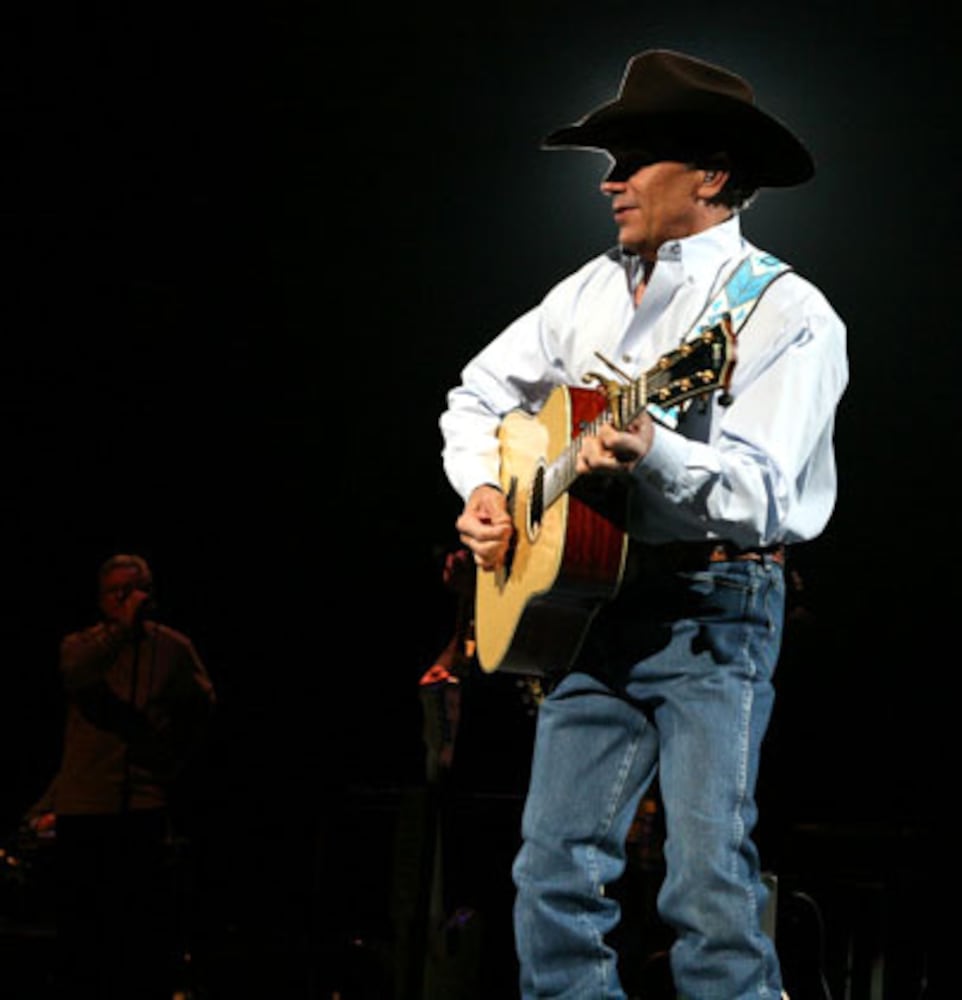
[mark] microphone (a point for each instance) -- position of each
(147, 609)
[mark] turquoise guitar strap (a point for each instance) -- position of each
(738, 297)
(740, 294)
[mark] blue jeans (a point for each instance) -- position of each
(676, 674)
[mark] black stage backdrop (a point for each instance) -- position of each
(247, 251)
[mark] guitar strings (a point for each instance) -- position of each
(560, 473)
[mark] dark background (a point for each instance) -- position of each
(247, 251)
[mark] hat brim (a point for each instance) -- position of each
(763, 150)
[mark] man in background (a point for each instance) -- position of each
(138, 703)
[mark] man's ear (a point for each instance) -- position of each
(713, 180)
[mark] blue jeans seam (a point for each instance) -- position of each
(591, 854)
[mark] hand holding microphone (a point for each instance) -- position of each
(134, 605)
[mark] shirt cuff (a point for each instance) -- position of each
(664, 465)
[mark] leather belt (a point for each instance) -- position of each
(680, 557)
(725, 552)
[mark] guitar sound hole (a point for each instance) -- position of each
(536, 504)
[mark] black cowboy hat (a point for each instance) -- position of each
(673, 106)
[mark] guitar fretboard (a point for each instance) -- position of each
(675, 378)
(625, 403)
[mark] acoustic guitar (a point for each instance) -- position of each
(568, 549)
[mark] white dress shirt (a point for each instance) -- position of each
(757, 472)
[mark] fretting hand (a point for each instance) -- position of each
(611, 450)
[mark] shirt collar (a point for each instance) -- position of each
(699, 256)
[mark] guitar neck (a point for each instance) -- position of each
(626, 402)
(696, 368)
(560, 474)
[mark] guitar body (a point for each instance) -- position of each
(566, 560)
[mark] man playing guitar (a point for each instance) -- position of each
(675, 503)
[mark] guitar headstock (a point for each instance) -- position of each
(696, 368)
